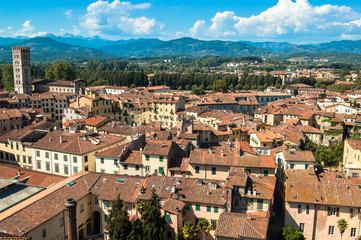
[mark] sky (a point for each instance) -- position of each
(295, 21)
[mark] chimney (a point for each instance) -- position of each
(70, 205)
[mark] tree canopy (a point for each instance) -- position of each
(119, 226)
(153, 222)
(60, 70)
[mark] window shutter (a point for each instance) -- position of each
(308, 209)
(351, 212)
(329, 211)
(299, 208)
(337, 212)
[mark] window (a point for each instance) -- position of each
(11, 145)
(306, 166)
(47, 166)
(23, 148)
(331, 230)
(353, 232)
(38, 164)
(189, 206)
(55, 156)
(86, 168)
(106, 204)
(147, 168)
(197, 169)
(259, 204)
(75, 170)
(102, 160)
(56, 167)
(29, 160)
(125, 167)
(160, 158)
(303, 209)
(292, 166)
(213, 224)
(354, 212)
(161, 170)
(46, 154)
(302, 227)
(137, 167)
(147, 157)
(198, 207)
(43, 233)
(66, 169)
(38, 153)
(75, 159)
(18, 158)
(167, 217)
(96, 201)
(61, 222)
(82, 207)
(265, 172)
(248, 171)
(65, 158)
(208, 208)
(115, 162)
(214, 170)
(24, 159)
(216, 209)
(17, 146)
(333, 211)
(86, 159)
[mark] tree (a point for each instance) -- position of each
(60, 71)
(137, 230)
(203, 226)
(340, 87)
(132, 85)
(189, 231)
(220, 86)
(292, 234)
(342, 226)
(152, 221)
(118, 222)
(7, 77)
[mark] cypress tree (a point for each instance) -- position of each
(119, 226)
(153, 222)
(137, 230)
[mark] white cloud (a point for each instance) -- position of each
(198, 26)
(287, 20)
(9, 28)
(28, 30)
(68, 13)
(114, 18)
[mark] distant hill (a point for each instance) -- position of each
(184, 47)
(274, 46)
(331, 56)
(46, 49)
(72, 48)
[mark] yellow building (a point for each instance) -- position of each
(98, 105)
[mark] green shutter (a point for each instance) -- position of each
(198, 208)
(216, 209)
(208, 208)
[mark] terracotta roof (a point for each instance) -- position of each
(298, 156)
(94, 121)
(355, 144)
(330, 188)
(158, 147)
(28, 176)
(173, 206)
(240, 225)
(76, 143)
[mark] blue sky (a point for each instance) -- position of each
(296, 21)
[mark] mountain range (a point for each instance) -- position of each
(71, 48)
